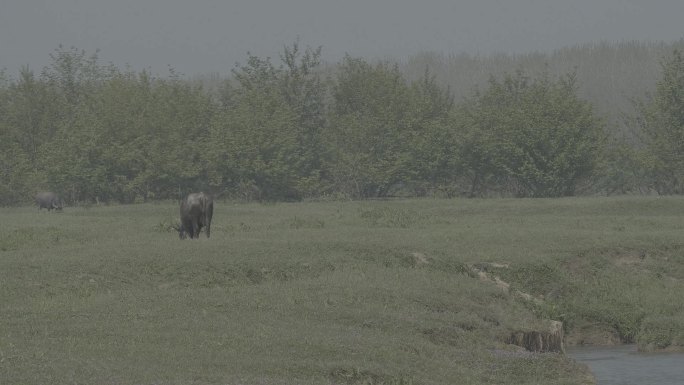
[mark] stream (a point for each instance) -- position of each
(623, 365)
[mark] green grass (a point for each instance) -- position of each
(374, 292)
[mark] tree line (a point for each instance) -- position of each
(300, 129)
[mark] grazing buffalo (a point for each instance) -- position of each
(196, 211)
(48, 200)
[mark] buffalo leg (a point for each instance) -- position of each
(195, 229)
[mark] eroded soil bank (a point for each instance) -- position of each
(607, 299)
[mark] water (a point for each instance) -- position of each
(623, 365)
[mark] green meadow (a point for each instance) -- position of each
(357, 292)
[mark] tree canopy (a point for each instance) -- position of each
(301, 129)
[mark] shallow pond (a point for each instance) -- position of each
(623, 365)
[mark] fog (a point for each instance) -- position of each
(206, 36)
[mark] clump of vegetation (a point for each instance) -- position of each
(167, 226)
(660, 332)
(298, 222)
(390, 217)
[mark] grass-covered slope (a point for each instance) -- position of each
(378, 292)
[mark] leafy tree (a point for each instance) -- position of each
(432, 143)
(14, 162)
(661, 123)
(254, 143)
(151, 135)
(69, 159)
(305, 93)
(31, 114)
(29, 119)
(123, 136)
(477, 150)
(74, 77)
(369, 129)
(72, 163)
(530, 137)
(265, 142)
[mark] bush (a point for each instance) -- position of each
(661, 332)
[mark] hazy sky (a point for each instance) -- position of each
(201, 36)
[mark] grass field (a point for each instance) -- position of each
(373, 292)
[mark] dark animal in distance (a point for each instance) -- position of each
(48, 200)
(196, 211)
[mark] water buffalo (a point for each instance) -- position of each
(196, 211)
(48, 200)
